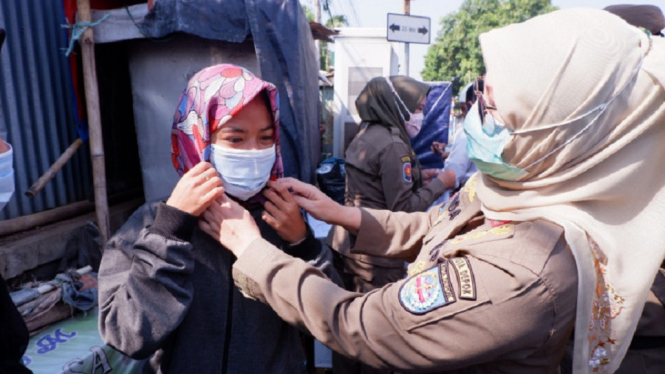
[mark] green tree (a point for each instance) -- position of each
(456, 55)
(308, 12)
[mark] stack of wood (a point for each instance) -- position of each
(42, 304)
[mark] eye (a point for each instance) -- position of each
(234, 140)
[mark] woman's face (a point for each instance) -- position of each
(421, 105)
(250, 129)
(489, 98)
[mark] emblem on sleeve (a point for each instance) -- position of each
(467, 282)
(406, 159)
(407, 172)
(427, 291)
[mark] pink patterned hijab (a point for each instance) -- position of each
(212, 97)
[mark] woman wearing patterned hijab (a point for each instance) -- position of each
(165, 286)
(561, 230)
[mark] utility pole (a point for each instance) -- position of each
(407, 11)
(317, 43)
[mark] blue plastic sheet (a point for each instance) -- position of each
(435, 125)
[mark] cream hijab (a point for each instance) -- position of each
(606, 185)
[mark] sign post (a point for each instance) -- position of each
(408, 29)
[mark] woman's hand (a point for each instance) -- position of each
(197, 189)
(230, 224)
(439, 149)
(283, 214)
(429, 174)
(310, 198)
(320, 206)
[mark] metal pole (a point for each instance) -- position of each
(407, 11)
(94, 121)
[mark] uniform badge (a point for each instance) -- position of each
(427, 291)
(407, 172)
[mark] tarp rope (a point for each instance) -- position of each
(78, 29)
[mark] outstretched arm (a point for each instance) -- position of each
(377, 232)
(321, 207)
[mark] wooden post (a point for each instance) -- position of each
(23, 223)
(94, 121)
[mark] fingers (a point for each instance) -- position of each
(207, 175)
(304, 203)
(296, 186)
(274, 211)
(206, 227)
(272, 195)
(270, 220)
(212, 216)
(282, 191)
(199, 168)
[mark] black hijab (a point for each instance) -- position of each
(377, 104)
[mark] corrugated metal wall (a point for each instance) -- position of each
(36, 106)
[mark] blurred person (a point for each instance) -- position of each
(457, 163)
(165, 286)
(382, 172)
(13, 332)
(648, 16)
(559, 232)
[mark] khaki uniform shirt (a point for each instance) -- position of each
(481, 296)
(380, 171)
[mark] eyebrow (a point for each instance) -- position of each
(234, 129)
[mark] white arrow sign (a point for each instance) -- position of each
(408, 29)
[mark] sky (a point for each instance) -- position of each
(373, 13)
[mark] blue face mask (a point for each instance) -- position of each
(485, 144)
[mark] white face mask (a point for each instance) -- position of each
(244, 172)
(414, 124)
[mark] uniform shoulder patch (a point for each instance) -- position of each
(427, 291)
(465, 278)
(405, 159)
(407, 172)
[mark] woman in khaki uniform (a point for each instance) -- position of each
(560, 230)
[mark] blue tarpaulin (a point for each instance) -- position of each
(435, 125)
(285, 51)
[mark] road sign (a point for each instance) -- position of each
(408, 29)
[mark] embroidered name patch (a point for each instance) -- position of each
(427, 291)
(407, 172)
(470, 188)
(467, 282)
(507, 229)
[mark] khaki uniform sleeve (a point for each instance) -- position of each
(392, 234)
(509, 317)
(397, 182)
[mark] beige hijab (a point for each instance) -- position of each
(606, 185)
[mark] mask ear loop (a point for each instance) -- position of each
(600, 108)
(399, 99)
